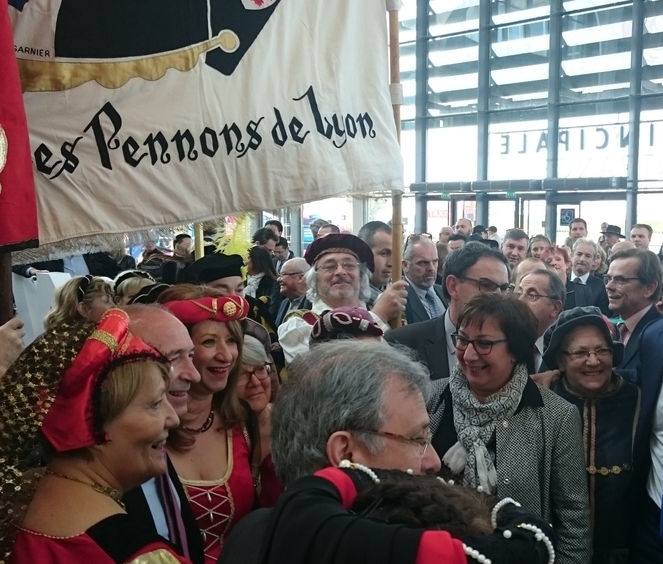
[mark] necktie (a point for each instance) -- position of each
(578, 280)
(433, 308)
(624, 332)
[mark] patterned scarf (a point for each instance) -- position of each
(475, 424)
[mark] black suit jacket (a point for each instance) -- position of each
(138, 508)
(429, 340)
(596, 285)
(283, 308)
(415, 311)
(628, 365)
(577, 295)
(99, 264)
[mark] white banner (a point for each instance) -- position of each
(150, 113)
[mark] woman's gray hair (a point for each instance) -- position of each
(339, 386)
(253, 352)
(364, 284)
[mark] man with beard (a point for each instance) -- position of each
(342, 266)
(377, 235)
(582, 259)
(424, 298)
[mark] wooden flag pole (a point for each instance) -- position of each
(396, 196)
(199, 240)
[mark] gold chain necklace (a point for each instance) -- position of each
(114, 494)
(205, 427)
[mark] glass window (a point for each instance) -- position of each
(649, 206)
(593, 146)
(652, 52)
(408, 150)
(437, 212)
(407, 17)
(448, 17)
(453, 75)
(519, 67)
(650, 170)
(408, 64)
(534, 216)
(518, 147)
(452, 154)
(510, 11)
(501, 214)
(596, 54)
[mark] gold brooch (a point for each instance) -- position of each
(229, 309)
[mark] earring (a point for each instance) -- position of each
(410, 471)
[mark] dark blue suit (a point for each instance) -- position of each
(628, 364)
(415, 310)
(649, 375)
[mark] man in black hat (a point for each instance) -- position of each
(612, 235)
(224, 272)
(340, 277)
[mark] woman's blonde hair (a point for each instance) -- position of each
(226, 403)
(130, 287)
(80, 289)
(122, 386)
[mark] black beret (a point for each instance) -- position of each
(570, 320)
(212, 267)
(341, 243)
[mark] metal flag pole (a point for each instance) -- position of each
(396, 89)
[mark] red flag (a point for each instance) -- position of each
(18, 206)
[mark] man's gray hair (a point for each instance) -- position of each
(339, 386)
(364, 284)
(413, 240)
(586, 241)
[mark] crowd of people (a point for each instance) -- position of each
(502, 403)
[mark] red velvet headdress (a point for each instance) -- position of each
(69, 422)
(224, 309)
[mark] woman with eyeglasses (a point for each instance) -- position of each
(215, 450)
(254, 386)
(498, 432)
(582, 348)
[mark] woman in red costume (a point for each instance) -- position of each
(217, 444)
(85, 419)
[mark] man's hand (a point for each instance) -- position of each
(11, 343)
(546, 379)
(32, 271)
(391, 303)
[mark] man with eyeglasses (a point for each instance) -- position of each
(340, 277)
(633, 283)
(293, 286)
(467, 272)
(425, 299)
(544, 293)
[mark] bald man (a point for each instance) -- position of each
(151, 502)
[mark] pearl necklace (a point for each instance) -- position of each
(114, 494)
(501, 503)
(206, 426)
(541, 537)
(365, 469)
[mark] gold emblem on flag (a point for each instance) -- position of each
(3, 151)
